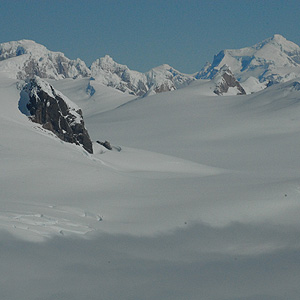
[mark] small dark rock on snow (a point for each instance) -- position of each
(105, 144)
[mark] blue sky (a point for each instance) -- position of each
(146, 33)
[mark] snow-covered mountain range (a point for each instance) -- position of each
(25, 59)
(271, 61)
(160, 79)
(233, 72)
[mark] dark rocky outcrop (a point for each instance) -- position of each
(105, 144)
(56, 113)
(224, 80)
(296, 85)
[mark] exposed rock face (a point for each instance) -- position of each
(225, 81)
(105, 144)
(296, 86)
(56, 113)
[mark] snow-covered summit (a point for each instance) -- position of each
(108, 72)
(160, 79)
(108, 64)
(271, 61)
(25, 58)
(278, 41)
(167, 77)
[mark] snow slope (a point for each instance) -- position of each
(202, 201)
(53, 178)
(101, 99)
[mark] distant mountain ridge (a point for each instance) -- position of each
(271, 61)
(160, 79)
(25, 59)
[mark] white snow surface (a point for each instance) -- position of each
(202, 201)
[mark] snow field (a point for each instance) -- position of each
(202, 201)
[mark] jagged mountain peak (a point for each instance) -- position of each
(106, 63)
(107, 59)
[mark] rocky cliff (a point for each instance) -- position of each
(226, 83)
(55, 112)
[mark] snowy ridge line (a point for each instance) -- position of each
(270, 61)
